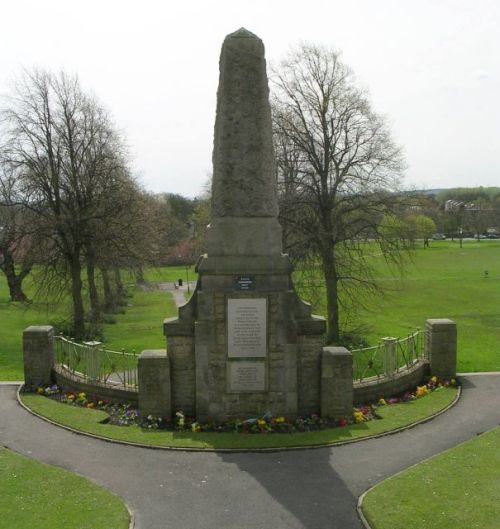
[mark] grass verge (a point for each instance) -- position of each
(34, 494)
(458, 488)
(393, 417)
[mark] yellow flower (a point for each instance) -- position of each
(434, 379)
(40, 391)
(421, 391)
(261, 422)
(382, 402)
(358, 416)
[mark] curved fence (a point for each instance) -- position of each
(96, 365)
(389, 357)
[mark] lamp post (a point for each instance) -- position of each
(460, 233)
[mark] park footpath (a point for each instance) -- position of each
(306, 489)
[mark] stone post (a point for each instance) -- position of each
(389, 355)
(154, 384)
(336, 382)
(38, 355)
(441, 347)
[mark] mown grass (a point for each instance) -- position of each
(139, 327)
(442, 281)
(34, 494)
(458, 488)
(86, 420)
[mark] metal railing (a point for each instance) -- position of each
(94, 364)
(390, 356)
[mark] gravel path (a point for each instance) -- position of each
(306, 489)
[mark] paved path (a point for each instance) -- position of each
(306, 489)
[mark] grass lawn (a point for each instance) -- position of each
(443, 281)
(34, 494)
(457, 489)
(87, 420)
(139, 328)
(14, 317)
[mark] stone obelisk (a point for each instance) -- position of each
(244, 344)
(244, 192)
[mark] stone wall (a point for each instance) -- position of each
(182, 367)
(374, 388)
(310, 341)
(99, 391)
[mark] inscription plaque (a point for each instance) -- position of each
(245, 283)
(246, 327)
(247, 376)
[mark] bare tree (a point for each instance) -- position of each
(336, 165)
(16, 244)
(68, 160)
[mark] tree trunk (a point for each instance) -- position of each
(332, 302)
(95, 307)
(14, 281)
(76, 296)
(109, 303)
(120, 291)
(139, 275)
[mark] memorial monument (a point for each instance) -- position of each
(245, 343)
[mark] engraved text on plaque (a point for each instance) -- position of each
(246, 327)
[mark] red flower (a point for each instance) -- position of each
(342, 421)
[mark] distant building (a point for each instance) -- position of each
(456, 205)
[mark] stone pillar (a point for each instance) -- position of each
(441, 347)
(389, 355)
(336, 382)
(154, 384)
(38, 354)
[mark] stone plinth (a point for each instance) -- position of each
(154, 384)
(38, 355)
(441, 347)
(336, 382)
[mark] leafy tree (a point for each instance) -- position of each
(424, 228)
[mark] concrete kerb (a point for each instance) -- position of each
(240, 450)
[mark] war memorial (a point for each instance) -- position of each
(245, 344)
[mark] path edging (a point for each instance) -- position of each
(240, 450)
(359, 505)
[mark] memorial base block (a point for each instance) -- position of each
(336, 382)
(154, 384)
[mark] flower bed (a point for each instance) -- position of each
(126, 414)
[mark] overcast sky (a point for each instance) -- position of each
(432, 67)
